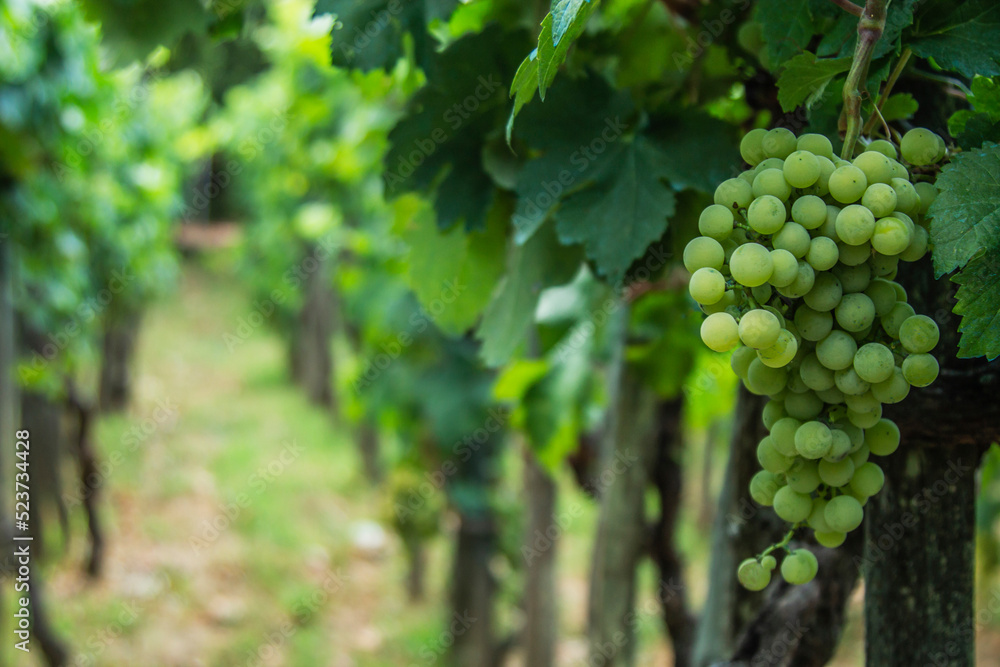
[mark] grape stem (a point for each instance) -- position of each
(848, 7)
(870, 27)
(783, 543)
(904, 58)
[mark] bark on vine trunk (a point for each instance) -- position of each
(541, 541)
(310, 351)
(117, 355)
(667, 474)
(920, 535)
(416, 569)
(470, 626)
(90, 477)
(622, 533)
(366, 437)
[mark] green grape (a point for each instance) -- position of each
(769, 562)
(844, 514)
(751, 264)
(748, 176)
(868, 480)
(899, 171)
(795, 386)
(860, 457)
(891, 236)
(919, 334)
(907, 220)
(830, 539)
(762, 379)
(823, 253)
(854, 255)
(917, 247)
(803, 476)
(785, 268)
(942, 149)
(806, 405)
(920, 369)
(892, 390)
(882, 294)
(874, 363)
(849, 382)
(833, 396)
(821, 187)
(783, 435)
(880, 199)
(801, 169)
(707, 286)
(762, 293)
(883, 266)
(771, 309)
(771, 182)
(778, 143)
(841, 446)
(766, 214)
(809, 211)
(813, 440)
(813, 325)
(772, 412)
(750, 146)
(782, 352)
(928, 193)
(770, 459)
(847, 184)
(892, 321)
(816, 520)
(741, 359)
(804, 281)
(759, 328)
(907, 199)
(815, 375)
(865, 419)
(769, 163)
(728, 299)
(836, 473)
(817, 144)
(752, 575)
(884, 147)
(702, 252)
(825, 294)
(719, 331)
(794, 238)
(855, 312)
(920, 147)
(865, 402)
(791, 505)
(877, 167)
(855, 224)
(837, 350)
(855, 434)
(734, 194)
(716, 222)
(799, 567)
(882, 438)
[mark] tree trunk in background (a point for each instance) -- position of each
(471, 624)
(920, 532)
(740, 529)
(416, 569)
(540, 541)
(667, 474)
(310, 352)
(622, 533)
(367, 439)
(117, 354)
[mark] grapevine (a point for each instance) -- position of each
(794, 269)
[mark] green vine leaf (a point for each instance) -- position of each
(805, 77)
(959, 36)
(979, 305)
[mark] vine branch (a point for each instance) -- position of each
(870, 28)
(904, 58)
(848, 7)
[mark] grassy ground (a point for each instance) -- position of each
(231, 506)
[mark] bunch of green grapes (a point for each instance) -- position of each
(795, 267)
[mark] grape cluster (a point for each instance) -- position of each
(794, 267)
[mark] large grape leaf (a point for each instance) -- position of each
(960, 36)
(437, 148)
(539, 263)
(788, 27)
(701, 149)
(979, 305)
(805, 77)
(369, 34)
(560, 28)
(966, 214)
(136, 27)
(453, 273)
(624, 211)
